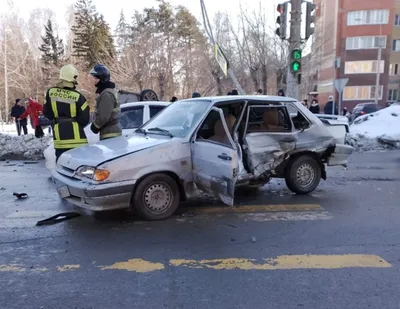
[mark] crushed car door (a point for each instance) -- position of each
(268, 137)
(215, 158)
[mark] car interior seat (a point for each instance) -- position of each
(219, 131)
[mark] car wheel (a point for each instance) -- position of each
(303, 174)
(156, 197)
(148, 95)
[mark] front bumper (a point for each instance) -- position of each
(96, 197)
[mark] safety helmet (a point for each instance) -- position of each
(101, 72)
(69, 73)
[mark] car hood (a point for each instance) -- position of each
(94, 155)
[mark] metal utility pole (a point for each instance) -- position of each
(222, 61)
(292, 87)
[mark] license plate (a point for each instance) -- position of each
(63, 192)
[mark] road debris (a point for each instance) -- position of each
(20, 196)
(58, 218)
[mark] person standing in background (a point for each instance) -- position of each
(17, 110)
(108, 111)
(330, 107)
(281, 93)
(314, 107)
(33, 110)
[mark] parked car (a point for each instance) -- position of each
(363, 109)
(133, 115)
(213, 144)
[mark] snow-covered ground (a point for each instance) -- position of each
(379, 130)
(24, 147)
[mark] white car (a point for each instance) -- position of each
(210, 144)
(133, 115)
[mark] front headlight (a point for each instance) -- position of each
(86, 171)
(93, 173)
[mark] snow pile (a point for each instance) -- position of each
(11, 129)
(379, 130)
(26, 147)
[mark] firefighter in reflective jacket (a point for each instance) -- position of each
(107, 116)
(68, 110)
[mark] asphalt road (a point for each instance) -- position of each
(338, 248)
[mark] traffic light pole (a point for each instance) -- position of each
(292, 89)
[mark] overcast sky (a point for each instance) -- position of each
(112, 8)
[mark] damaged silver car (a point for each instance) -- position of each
(213, 144)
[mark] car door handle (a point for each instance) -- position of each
(224, 156)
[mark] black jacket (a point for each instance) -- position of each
(314, 109)
(328, 108)
(16, 112)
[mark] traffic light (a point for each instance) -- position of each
(281, 20)
(310, 19)
(295, 61)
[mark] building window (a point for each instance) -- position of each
(397, 20)
(360, 93)
(393, 94)
(396, 45)
(373, 17)
(365, 42)
(394, 69)
(363, 67)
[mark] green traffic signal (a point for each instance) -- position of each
(297, 54)
(296, 66)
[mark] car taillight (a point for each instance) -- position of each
(362, 113)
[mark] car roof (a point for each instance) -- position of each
(146, 103)
(270, 98)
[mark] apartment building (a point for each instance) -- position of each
(356, 32)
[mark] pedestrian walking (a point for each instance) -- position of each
(68, 110)
(17, 111)
(108, 112)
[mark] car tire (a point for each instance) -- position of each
(156, 197)
(148, 95)
(303, 174)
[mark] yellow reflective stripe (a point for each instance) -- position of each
(71, 141)
(69, 146)
(84, 105)
(110, 135)
(56, 132)
(54, 108)
(75, 128)
(72, 110)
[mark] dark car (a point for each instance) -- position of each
(363, 109)
(129, 97)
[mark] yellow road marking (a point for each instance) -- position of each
(289, 262)
(253, 208)
(283, 262)
(12, 268)
(68, 267)
(137, 265)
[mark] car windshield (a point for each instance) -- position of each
(179, 118)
